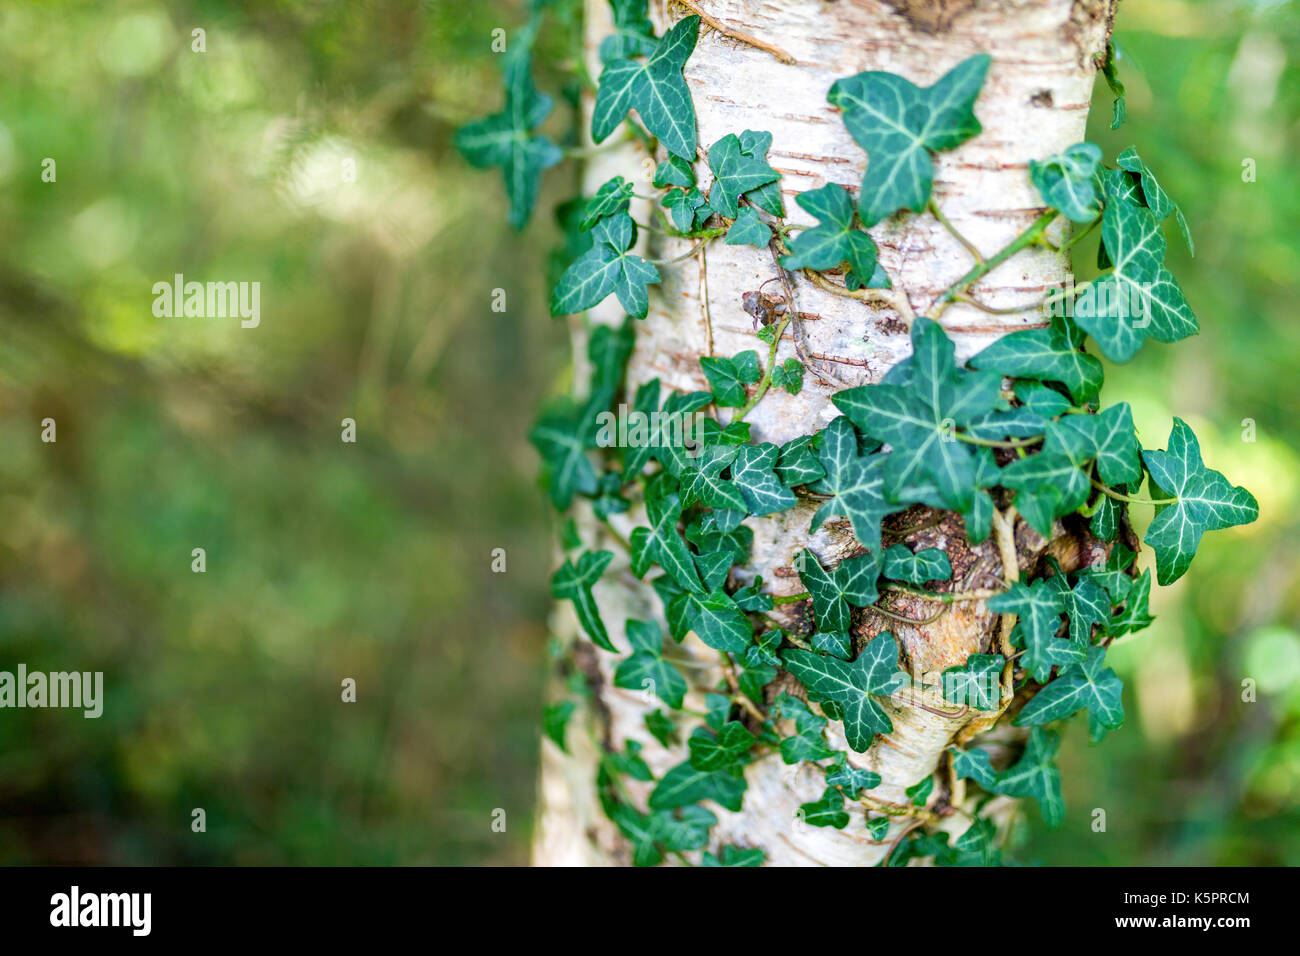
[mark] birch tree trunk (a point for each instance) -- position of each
(1034, 103)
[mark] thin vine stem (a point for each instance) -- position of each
(1120, 496)
(980, 269)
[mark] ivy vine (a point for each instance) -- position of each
(1018, 430)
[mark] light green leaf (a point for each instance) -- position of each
(826, 811)
(729, 376)
(684, 785)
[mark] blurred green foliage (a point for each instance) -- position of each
(325, 560)
(329, 560)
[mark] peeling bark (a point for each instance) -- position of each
(1034, 103)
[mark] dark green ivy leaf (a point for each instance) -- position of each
(749, 230)
(899, 124)
(853, 581)
(1156, 199)
(656, 89)
(674, 171)
(1040, 609)
(633, 33)
(684, 785)
(852, 688)
(929, 564)
(729, 376)
(737, 170)
(1051, 355)
(574, 582)
(613, 197)
(646, 669)
(1068, 181)
(826, 811)
(504, 139)
(1207, 501)
(856, 481)
(1035, 775)
(608, 267)
(977, 683)
(834, 240)
(1082, 685)
(975, 764)
(734, 856)
(555, 719)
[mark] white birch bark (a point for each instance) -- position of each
(1034, 103)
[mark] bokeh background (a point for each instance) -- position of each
(372, 560)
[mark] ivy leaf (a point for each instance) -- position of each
(1051, 355)
(637, 828)
(646, 663)
(562, 437)
(1108, 70)
(798, 464)
(853, 687)
(686, 207)
(749, 230)
(737, 171)
(1139, 297)
(664, 546)
(607, 267)
(614, 197)
(1083, 685)
(633, 33)
(1207, 501)
(1156, 199)
(768, 196)
(661, 727)
(684, 785)
(656, 89)
(917, 419)
(714, 567)
(684, 829)
(734, 856)
(555, 719)
(1039, 608)
(721, 750)
(878, 828)
(920, 791)
(807, 742)
(1068, 181)
(789, 375)
(826, 811)
(1135, 614)
(928, 564)
(753, 473)
(729, 376)
(666, 432)
(1049, 485)
(674, 171)
(1109, 437)
(852, 780)
(1035, 775)
(719, 623)
(834, 240)
(977, 683)
(899, 124)
(703, 482)
(608, 350)
(856, 482)
(853, 581)
(574, 583)
(504, 139)
(975, 764)
(836, 643)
